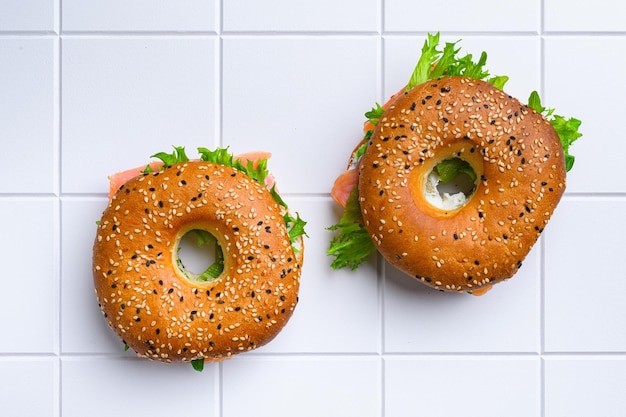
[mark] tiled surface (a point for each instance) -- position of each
(91, 88)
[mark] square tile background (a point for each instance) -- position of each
(88, 88)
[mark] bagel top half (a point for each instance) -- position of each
(520, 168)
(153, 306)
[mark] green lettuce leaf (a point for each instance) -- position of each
(352, 244)
(215, 269)
(435, 63)
(198, 364)
(566, 128)
(449, 169)
(177, 155)
(223, 157)
(295, 226)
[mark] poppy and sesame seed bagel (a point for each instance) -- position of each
(482, 238)
(157, 309)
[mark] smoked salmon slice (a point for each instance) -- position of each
(121, 178)
(343, 185)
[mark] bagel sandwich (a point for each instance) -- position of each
(166, 312)
(454, 180)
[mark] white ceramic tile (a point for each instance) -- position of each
(317, 325)
(505, 319)
(468, 387)
(29, 307)
(309, 15)
(585, 16)
(28, 387)
(569, 62)
(91, 88)
(83, 328)
(136, 386)
(139, 15)
(585, 309)
(302, 386)
(125, 99)
(455, 15)
(27, 15)
(27, 128)
(585, 386)
(518, 57)
(312, 118)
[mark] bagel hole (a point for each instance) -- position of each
(450, 184)
(200, 256)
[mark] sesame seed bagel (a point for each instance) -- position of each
(520, 169)
(153, 306)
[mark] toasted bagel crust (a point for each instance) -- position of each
(153, 306)
(516, 155)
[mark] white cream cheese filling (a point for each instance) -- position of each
(445, 200)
